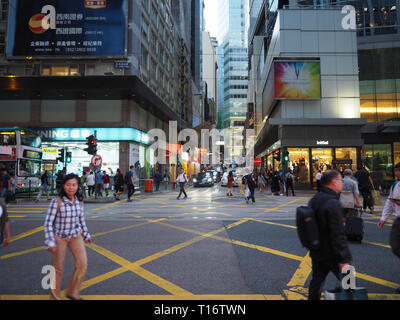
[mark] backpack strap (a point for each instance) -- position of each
(59, 202)
(394, 185)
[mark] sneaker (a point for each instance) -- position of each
(247, 201)
(177, 198)
(129, 200)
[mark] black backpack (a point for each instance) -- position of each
(307, 228)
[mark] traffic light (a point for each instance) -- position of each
(92, 145)
(286, 156)
(68, 157)
(277, 155)
(61, 154)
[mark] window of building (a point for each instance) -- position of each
(3, 8)
(145, 28)
(145, 58)
(396, 152)
(379, 161)
(2, 43)
(59, 71)
(321, 159)
(299, 164)
(346, 158)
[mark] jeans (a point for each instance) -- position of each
(4, 192)
(77, 248)
(320, 270)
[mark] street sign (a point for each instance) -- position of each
(257, 161)
(122, 65)
(96, 161)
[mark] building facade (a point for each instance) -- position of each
(75, 84)
(307, 94)
(233, 27)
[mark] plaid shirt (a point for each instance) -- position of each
(66, 224)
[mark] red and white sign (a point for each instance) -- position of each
(257, 161)
(97, 161)
(8, 153)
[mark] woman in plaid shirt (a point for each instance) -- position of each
(65, 227)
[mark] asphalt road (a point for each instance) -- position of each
(207, 246)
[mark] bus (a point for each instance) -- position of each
(21, 155)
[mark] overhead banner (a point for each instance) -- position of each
(297, 79)
(67, 28)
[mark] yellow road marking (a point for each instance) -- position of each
(300, 277)
(126, 228)
(95, 217)
(93, 236)
(155, 256)
(377, 280)
(27, 234)
(15, 254)
(16, 216)
(293, 295)
(25, 211)
(274, 223)
(282, 205)
(239, 243)
(290, 296)
(135, 268)
(377, 244)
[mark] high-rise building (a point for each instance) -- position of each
(378, 48)
(233, 26)
(134, 73)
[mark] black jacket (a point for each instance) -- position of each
(3, 219)
(329, 216)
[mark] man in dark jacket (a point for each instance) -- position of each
(157, 179)
(333, 253)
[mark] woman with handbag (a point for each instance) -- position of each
(65, 227)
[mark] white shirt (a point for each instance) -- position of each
(318, 176)
(391, 207)
(182, 178)
(90, 180)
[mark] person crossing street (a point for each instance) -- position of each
(182, 179)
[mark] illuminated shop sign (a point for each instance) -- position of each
(103, 134)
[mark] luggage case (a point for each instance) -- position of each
(354, 228)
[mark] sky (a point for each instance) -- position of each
(211, 16)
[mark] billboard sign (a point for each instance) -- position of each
(297, 79)
(39, 28)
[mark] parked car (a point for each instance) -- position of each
(224, 179)
(203, 179)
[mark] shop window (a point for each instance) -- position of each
(60, 71)
(379, 161)
(269, 162)
(346, 158)
(322, 159)
(299, 164)
(396, 151)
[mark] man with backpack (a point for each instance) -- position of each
(289, 183)
(392, 205)
(332, 253)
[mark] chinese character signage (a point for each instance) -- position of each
(67, 28)
(297, 80)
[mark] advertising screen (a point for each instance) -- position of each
(297, 80)
(66, 28)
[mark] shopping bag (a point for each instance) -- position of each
(377, 197)
(247, 193)
(357, 293)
